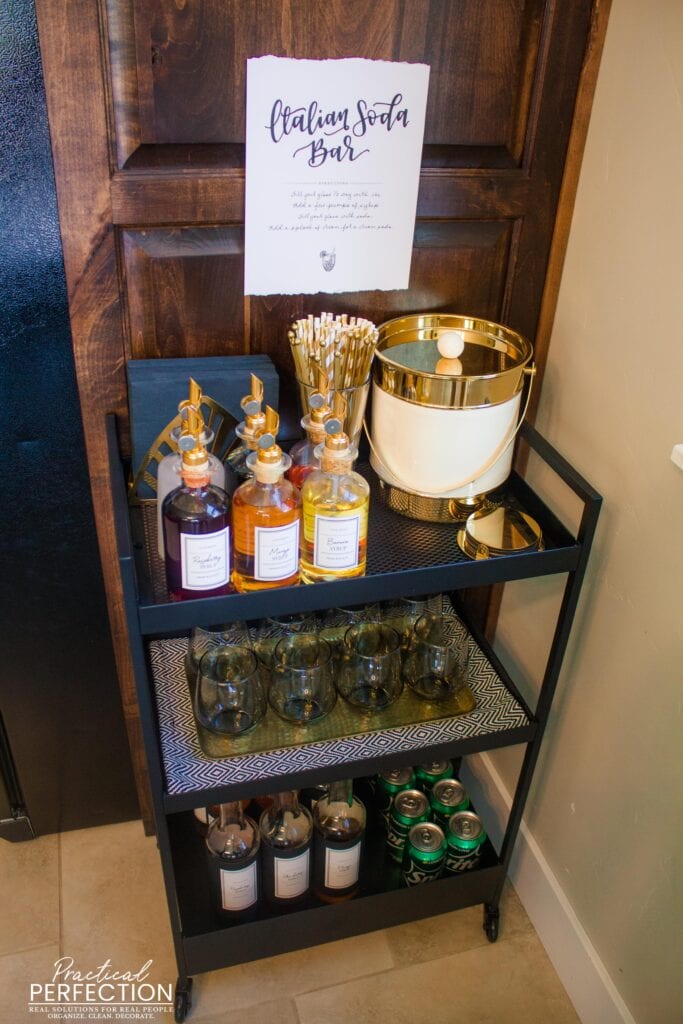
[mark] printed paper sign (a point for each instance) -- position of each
(332, 172)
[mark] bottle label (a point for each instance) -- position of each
(276, 551)
(291, 875)
(336, 539)
(205, 560)
(239, 888)
(342, 866)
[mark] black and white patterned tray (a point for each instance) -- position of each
(189, 770)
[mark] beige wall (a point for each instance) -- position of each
(605, 807)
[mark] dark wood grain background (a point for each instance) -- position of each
(146, 101)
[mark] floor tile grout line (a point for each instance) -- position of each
(398, 967)
(28, 949)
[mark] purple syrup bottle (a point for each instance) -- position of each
(196, 521)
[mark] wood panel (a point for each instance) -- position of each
(190, 60)
(146, 106)
(185, 292)
(184, 288)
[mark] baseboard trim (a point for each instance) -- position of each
(589, 986)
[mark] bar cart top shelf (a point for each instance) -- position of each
(404, 555)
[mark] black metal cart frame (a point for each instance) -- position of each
(404, 557)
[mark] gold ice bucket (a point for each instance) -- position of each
(442, 428)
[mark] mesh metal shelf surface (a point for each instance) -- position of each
(405, 554)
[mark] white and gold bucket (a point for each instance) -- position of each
(446, 406)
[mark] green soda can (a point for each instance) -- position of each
(427, 774)
(409, 808)
(388, 785)
(465, 836)
(425, 854)
(447, 797)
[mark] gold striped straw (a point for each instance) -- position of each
(341, 347)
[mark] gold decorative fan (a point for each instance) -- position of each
(217, 419)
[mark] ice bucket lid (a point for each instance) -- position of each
(490, 368)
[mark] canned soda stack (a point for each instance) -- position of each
(429, 829)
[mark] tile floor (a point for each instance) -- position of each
(98, 894)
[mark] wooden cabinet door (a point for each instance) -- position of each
(146, 102)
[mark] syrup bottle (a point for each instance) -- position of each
(233, 842)
(286, 832)
(196, 519)
(335, 511)
(266, 517)
(168, 473)
(339, 820)
(249, 430)
(302, 454)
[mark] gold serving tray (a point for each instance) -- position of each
(273, 733)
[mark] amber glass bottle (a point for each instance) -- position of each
(266, 517)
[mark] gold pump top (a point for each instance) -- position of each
(335, 438)
(336, 441)
(337, 454)
(194, 398)
(194, 453)
(254, 418)
(318, 415)
(269, 452)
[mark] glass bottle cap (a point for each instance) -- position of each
(499, 531)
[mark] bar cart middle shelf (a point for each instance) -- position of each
(405, 558)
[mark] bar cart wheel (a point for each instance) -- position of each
(491, 922)
(183, 999)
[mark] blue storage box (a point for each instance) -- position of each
(156, 386)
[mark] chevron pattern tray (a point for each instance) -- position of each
(188, 769)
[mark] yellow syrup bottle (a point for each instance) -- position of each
(266, 517)
(335, 502)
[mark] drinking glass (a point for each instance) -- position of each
(435, 666)
(403, 612)
(302, 678)
(268, 632)
(202, 640)
(370, 671)
(230, 698)
(336, 621)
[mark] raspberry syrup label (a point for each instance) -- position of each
(205, 560)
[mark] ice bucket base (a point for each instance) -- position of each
(429, 509)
